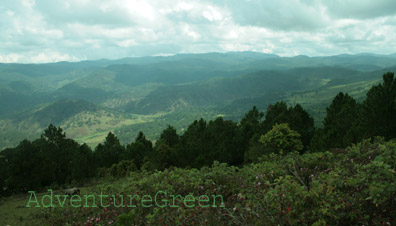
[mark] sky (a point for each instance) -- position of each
(38, 31)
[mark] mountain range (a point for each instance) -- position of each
(90, 98)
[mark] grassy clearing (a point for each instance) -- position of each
(93, 127)
(13, 210)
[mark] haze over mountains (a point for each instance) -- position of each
(89, 98)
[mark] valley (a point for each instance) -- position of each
(90, 98)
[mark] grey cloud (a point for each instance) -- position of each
(360, 9)
(186, 17)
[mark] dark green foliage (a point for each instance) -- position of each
(165, 151)
(224, 142)
(379, 109)
(254, 150)
(194, 145)
(139, 150)
(169, 137)
(303, 123)
(250, 130)
(3, 174)
(277, 113)
(340, 124)
(203, 143)
(122, 168)
(53, 135)
(250, 124)
(83, 164)
(296, 117)
(24, 171)
(56, 152)
(109, 152)
(279, 140)
(317, 141)
(164, 157)
(52, 159)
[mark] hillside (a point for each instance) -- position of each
(150, 92)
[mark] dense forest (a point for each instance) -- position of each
(280, 150)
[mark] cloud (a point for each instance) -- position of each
(55, 30)
(33, 57)
(278, 14)
(93, 12)
(360, 9)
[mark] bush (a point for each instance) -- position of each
(280, 140)
(351, 186)
(122, 168)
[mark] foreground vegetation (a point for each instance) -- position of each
(351, 186)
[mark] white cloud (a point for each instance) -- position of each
(10, 13)
(140, 10)
(212, 14)
(32, 57)
(54, 30)
(190, 32)
(10, 58)
(44, 57)
(127, 43)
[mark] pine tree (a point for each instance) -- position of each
(379, 109)
(139, 150)
(296, 117)
(110, 152)
(169, 137)
(340, 123)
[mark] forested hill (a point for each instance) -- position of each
(90, 98)
(280, 129)
(269, 167)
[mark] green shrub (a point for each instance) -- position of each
(280, 140)
(122, 168)
(351, 186)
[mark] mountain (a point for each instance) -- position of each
(56, 112)
(261, 84)
(90, 98)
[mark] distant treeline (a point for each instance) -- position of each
(54, 159)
